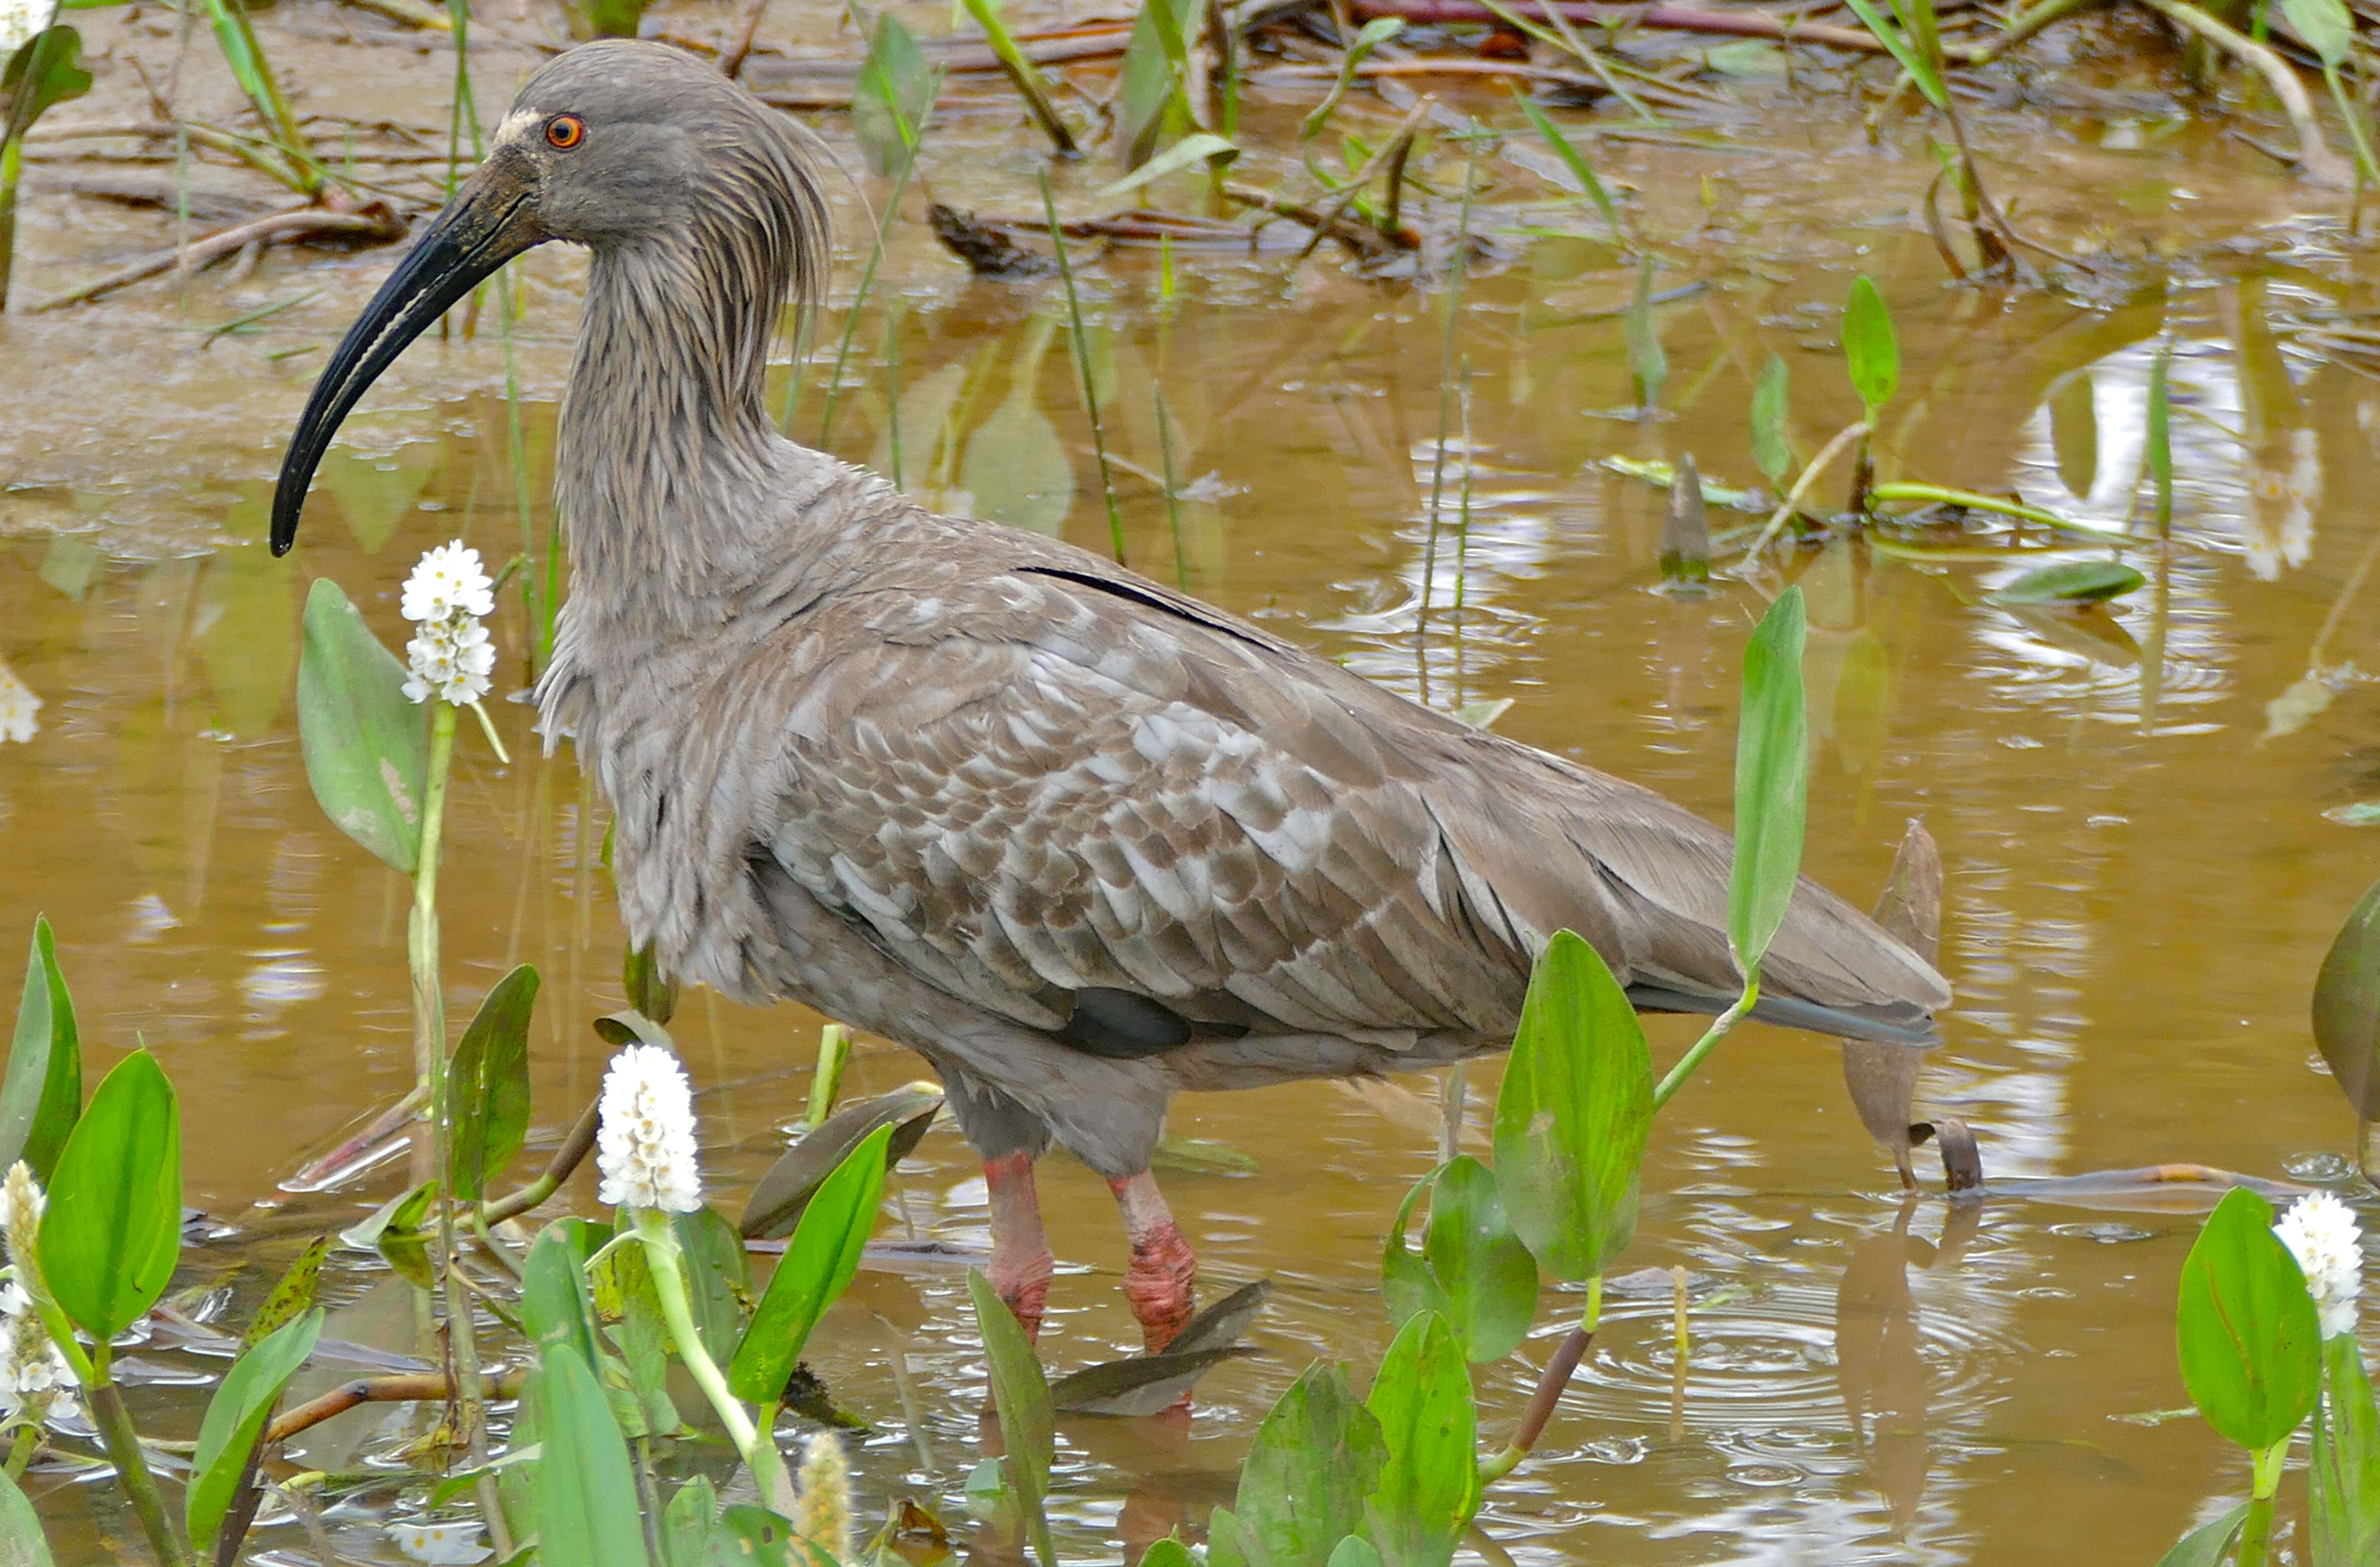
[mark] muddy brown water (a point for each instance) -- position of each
(2140, 879)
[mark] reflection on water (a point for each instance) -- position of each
(2136, 896)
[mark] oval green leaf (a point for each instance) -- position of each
(1572, 1115)
(236, 1417)
(586, 1492)
(1771, 405)
(488, 1084)
(2073, 582)
(1772, 765)
(113, 1228)
(1472, 1269)
(21, 1544)
(1428, 1488)
(367, 751)
(1315, 1460)
(2245, 1328)
(41, 1096)
(1871, 352)
(816, 1268)
(1020, 1394)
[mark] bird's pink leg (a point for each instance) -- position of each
(1159, 1280)
(1021, 1264)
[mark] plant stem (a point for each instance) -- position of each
(21, 1452)
(867, 275)
(1558, 1373)
(1083, 368)
(2269, 1463)
(1709, 1041)
(115, 1423)
(12, 160)
(758, 1446)
(421, 947)
(1785, 508)
(834, 1049)
(567, 1158)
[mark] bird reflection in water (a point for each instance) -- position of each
(1880, 1363)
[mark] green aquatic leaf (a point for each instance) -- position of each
(1472, 1270)
(41, 1096)
(586, 1492)
(1572, 1113)
(2245, 1328)
(1168, 1553)
(1772, 769)
(2343, 1477)
(43, 73)
(1022, 74)
(690, 1525)
(1428, 1487)
(2325, 25)
(2160, 435)
(778, 1199)
(1772, 451)
(1871, 352)
(1315, 1461)
(895, 87)
(1194, 149)
(2073, 582)
(2346, 1006)
(2207, 1545)
(718, 1277)
(1355, 1551)
(1575, 161)
(488, 1087)
(113, 1230)
(1649, 363)
(1909, 50)
(21, 1544)
(555, 1305)
(367, 748)
(1149, 101)
(1020, 1393)
(816, 1269)
(235, 1419)
(291, 1298)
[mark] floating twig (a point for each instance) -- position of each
(375, 222)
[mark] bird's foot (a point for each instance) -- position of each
(1160, 1281)
(1021, 1263)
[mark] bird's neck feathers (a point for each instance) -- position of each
(675, 488)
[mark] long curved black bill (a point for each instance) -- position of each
(487, 224)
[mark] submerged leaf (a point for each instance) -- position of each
(895, 89)
(2073, 582)
(1871, 352)
(1772, 453)
(1139, 1386)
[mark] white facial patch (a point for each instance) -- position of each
(520, 124)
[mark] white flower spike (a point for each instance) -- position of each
(21, 22)
(2321, 1233)
(645, 1147)
(450, 658)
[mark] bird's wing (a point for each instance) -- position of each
(1067, 794)
(1055, 798)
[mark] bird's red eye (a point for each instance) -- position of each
(566, 131)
